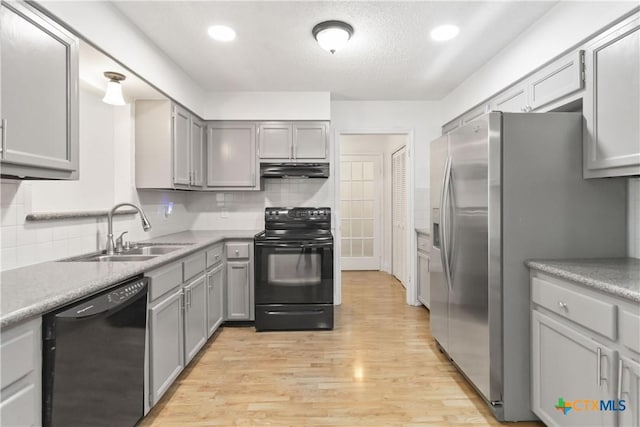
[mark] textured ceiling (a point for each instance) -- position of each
(390, 57)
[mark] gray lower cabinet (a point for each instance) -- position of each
(39, 86)
(611, 105)
(21, 367)
(166, 340)
(238, 297)
(629, 390)
(215, 298)
(566, 365)
(232, 161)
(195, 317)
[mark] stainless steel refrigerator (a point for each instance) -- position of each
(505, 188)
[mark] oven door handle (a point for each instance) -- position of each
(295, 245)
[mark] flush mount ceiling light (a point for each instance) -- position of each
(444, 32)
(113, 95)
(332, 35)
(221, 33)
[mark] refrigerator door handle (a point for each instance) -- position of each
(444, 253)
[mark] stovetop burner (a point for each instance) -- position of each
(296, 223)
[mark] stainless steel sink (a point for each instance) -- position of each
(152, 250)
(118, 258)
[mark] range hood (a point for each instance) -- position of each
(294, 170)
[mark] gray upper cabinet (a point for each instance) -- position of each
(474, 113)
(231, 156)
(195, 317)
(39, 86)
(513, 100)
(611, 104)
(293, 141)
(276, 141)
(169, 146)
(562, 77)
(181, 146)
(451, 126)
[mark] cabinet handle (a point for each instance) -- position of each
(237, 252)
(565, 307)
(599, 366)
(620, 369)
(3, 145)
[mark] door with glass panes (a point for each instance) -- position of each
(360, 212)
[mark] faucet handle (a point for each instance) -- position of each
(119, 245)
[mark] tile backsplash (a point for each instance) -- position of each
(633, 218)
(30, 242)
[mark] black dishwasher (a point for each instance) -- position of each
(93, 364)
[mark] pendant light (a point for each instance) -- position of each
(332, 35)
(113, 94)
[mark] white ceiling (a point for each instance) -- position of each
(390, 56)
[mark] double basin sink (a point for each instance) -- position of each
(137, 253)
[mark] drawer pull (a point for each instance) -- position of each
(237, 252)
(563, 305)
(620, 368)
(599, 366)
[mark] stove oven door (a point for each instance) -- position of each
(293, 272)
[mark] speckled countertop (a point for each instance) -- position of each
(424, 231)
(33, 290)
(616, 276)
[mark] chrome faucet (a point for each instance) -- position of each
(110, 243)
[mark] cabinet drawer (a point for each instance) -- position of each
(18, 351)
(630, 330)
(164, 279)
(237, 250)
(18, 409)
(214, 255)
(193, 266)
(424, 243)
(585, 310)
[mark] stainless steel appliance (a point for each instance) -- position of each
(506, 188)
(93, 364)
(294, 170)
(294, 270)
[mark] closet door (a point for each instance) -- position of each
(399, 214)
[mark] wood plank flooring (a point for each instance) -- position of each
(378, 367)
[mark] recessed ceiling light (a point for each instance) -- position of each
(221, 33)
(444, 32)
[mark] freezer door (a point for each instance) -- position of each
(468, 297)
(439, 284)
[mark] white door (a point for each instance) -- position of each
(361, 212)
(399, 215)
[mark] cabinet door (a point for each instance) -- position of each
(276, 141)
(166, 357)
(18, 408)
(566, 365)
(238, 298)
(195, 317)
(611, 104)
(198, 132)
(181, 146)
(231, 155)
(310, 141)
(39, 90)
(215, 303)
(474, 114)
(451, 126)
(513, 100)
(423, 279)
(629, 391)
(560, 78)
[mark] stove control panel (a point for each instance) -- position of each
(297, 214)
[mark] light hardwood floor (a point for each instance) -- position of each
(378, 367)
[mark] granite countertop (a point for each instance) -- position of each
(424, 231)
(33, 290)
(616, 276)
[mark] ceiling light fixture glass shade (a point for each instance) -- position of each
(113, 94)
(444, 33)
(332, 35)
(221, 33)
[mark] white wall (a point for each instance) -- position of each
(384, 146)
(106, 177)
(100, 23)
(565, 25)
(267, 106)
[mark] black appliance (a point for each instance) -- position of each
(93, 364)
(294, 170)
(294, 270)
